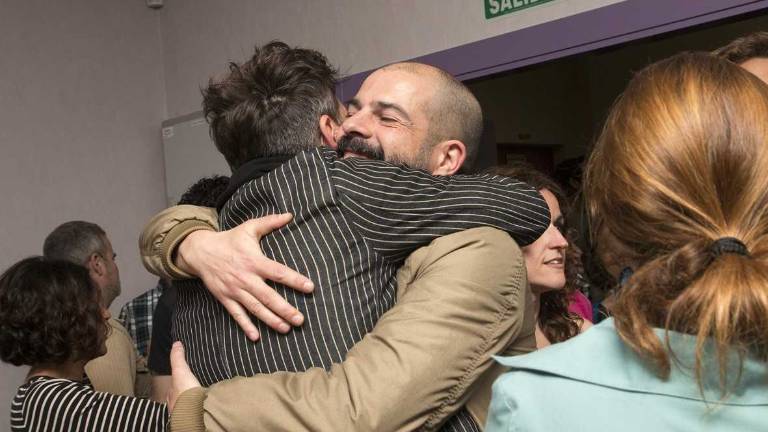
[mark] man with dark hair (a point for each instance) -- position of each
(749, 52)
(354, 223)
(203, 193)
(86, 244)
(272, 102)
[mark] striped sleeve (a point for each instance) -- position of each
(63, 405)
(399, 209)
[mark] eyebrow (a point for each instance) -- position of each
(354, 103)
(393, 106)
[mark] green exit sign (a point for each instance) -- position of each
(494, 8)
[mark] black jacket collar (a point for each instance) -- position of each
(248, 171)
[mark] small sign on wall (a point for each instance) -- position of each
(495, 8)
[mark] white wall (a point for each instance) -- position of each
(81, 102)
(356, 35)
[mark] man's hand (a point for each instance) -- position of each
(182, 378)
(231, 265)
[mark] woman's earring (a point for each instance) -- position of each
(624, 276)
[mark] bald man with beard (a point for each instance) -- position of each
(460, 300)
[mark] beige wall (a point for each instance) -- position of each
(81, 102)
(356, 35)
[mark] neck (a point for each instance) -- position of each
(250, 170)
(536, 305)
(541, 338)
(69, 370)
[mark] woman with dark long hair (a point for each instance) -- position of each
(552, 263)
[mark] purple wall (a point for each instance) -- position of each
(610, 25)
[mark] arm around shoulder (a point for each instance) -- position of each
(166, 230)
(461, 302)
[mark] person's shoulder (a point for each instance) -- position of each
(118, 329)
(44, 385)
(317, 154)
(309, 163)
(597, 356)
(521, 397)
(46, 381)
(119, 343)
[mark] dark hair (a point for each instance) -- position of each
(744, 48)
(555, 321)
(271, 104)
(75, 241)
(49, 313)
(205, 192)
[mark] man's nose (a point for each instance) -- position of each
(358, 123)
(560, 241)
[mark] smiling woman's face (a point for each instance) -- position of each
(545, 258)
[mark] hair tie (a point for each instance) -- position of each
(726, 245)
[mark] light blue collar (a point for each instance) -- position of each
(598, 356)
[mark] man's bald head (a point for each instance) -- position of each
(454, 112)
(416, 115)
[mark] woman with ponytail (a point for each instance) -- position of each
(679, 180)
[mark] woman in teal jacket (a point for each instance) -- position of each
(679, 181)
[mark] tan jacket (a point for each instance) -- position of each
(461, 299)
(166, 230)
(115, 371)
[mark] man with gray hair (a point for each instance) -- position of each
(86, 244)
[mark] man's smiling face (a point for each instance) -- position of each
(388, 119)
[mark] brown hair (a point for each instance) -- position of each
(680, 163)
(555, 321)
(271, 104)
(747, 47)
(49, 313)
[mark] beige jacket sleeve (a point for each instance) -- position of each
(462, 299)
(165, 231)
(115, 371)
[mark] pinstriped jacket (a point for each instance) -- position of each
(355, 221)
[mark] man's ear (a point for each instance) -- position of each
(328, 130)
(96, 265)
(448, 157)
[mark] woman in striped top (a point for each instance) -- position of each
(51, 320)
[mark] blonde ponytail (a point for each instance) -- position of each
(680, 164)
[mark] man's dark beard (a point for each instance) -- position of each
(356, 144)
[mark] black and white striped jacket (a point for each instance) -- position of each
(355, 222)
(45, 404)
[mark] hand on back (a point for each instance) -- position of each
(234, 270)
